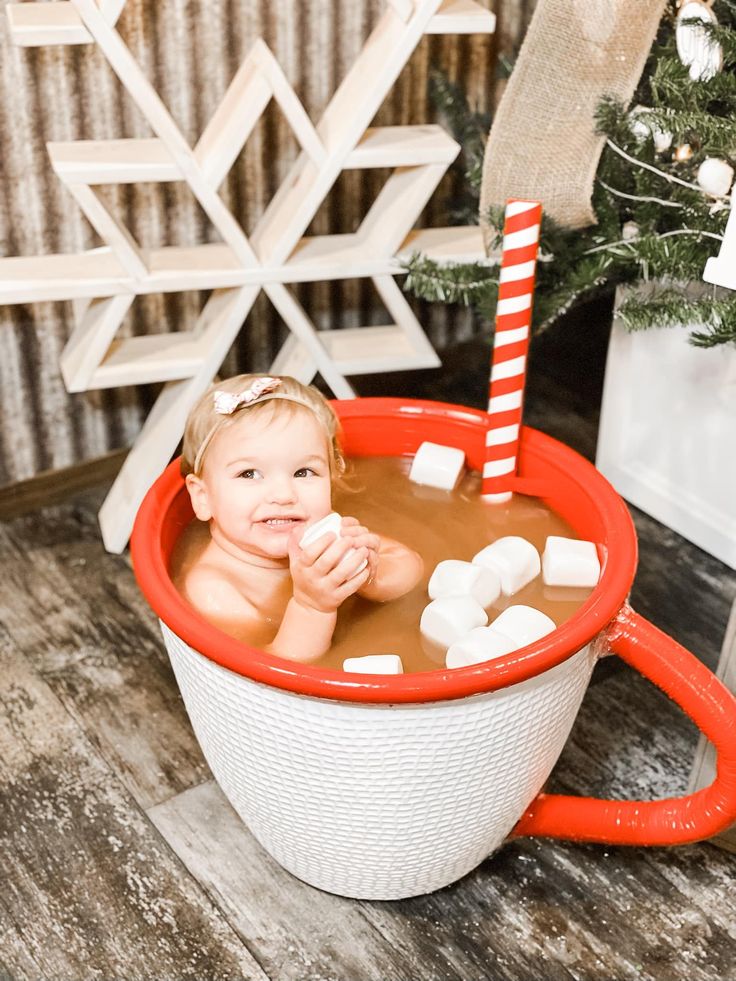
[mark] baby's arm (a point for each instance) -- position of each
(395, 568)
(324, 575)
(399, 569)
(305, 633)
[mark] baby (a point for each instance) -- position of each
(260, 457)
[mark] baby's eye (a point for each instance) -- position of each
(250, 474)
(305, 472)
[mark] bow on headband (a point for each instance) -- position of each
(226, 403)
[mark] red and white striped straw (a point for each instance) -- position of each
(513, 325)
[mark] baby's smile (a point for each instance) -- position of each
(282, 523)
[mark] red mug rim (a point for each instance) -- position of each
(382, 426)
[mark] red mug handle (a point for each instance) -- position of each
(675, 820)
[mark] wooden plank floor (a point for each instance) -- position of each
(120, 858)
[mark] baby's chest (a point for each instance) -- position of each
(267, 594)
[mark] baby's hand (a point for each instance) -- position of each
(362, 538)
(326, 572)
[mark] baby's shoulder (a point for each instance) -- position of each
(214, 592)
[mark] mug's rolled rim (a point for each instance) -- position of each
(384, 427)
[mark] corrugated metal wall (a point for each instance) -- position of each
(190, 49)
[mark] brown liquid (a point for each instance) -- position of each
(439, 525)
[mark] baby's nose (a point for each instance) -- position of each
(282, 490)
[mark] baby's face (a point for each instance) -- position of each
(262, 479)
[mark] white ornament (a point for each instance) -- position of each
(702, 55)
(662, 139)
(720, 205)
(642, 128)
(715, 176)
(629, 230)
(639, 127)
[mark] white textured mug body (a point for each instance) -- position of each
(378, 801)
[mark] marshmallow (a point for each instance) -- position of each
(437, 465)
(514, 559)
(570, 562)
(374, 664)
(449, 618)
(523, 624)
(330, 523)
(455, 578)
(516, 627)
(481, 644)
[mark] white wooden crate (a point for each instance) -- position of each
(667, 439)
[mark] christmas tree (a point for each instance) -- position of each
(661, 196)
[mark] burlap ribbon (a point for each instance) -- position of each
(543, 145)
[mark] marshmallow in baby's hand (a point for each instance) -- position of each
(570, 562)
(329, 524)
(374, 664)
(481, 644)
(449, 618)
(512, 558)
(437, 465)
(452, 577)
(523, 624)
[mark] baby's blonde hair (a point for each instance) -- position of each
(290, 397)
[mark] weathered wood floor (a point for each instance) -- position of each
(120, 858)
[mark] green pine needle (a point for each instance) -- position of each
(715, 316)
(465, 283)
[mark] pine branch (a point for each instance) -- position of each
(494, 218)
(714, 335)
(671, 84)
(612, 120)
(679, 258)
(581, 280)
(722, 34)
(715, 135)
(469, 128)
(548, 309)
(466, 283)
(669, 307)
(474, 174)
